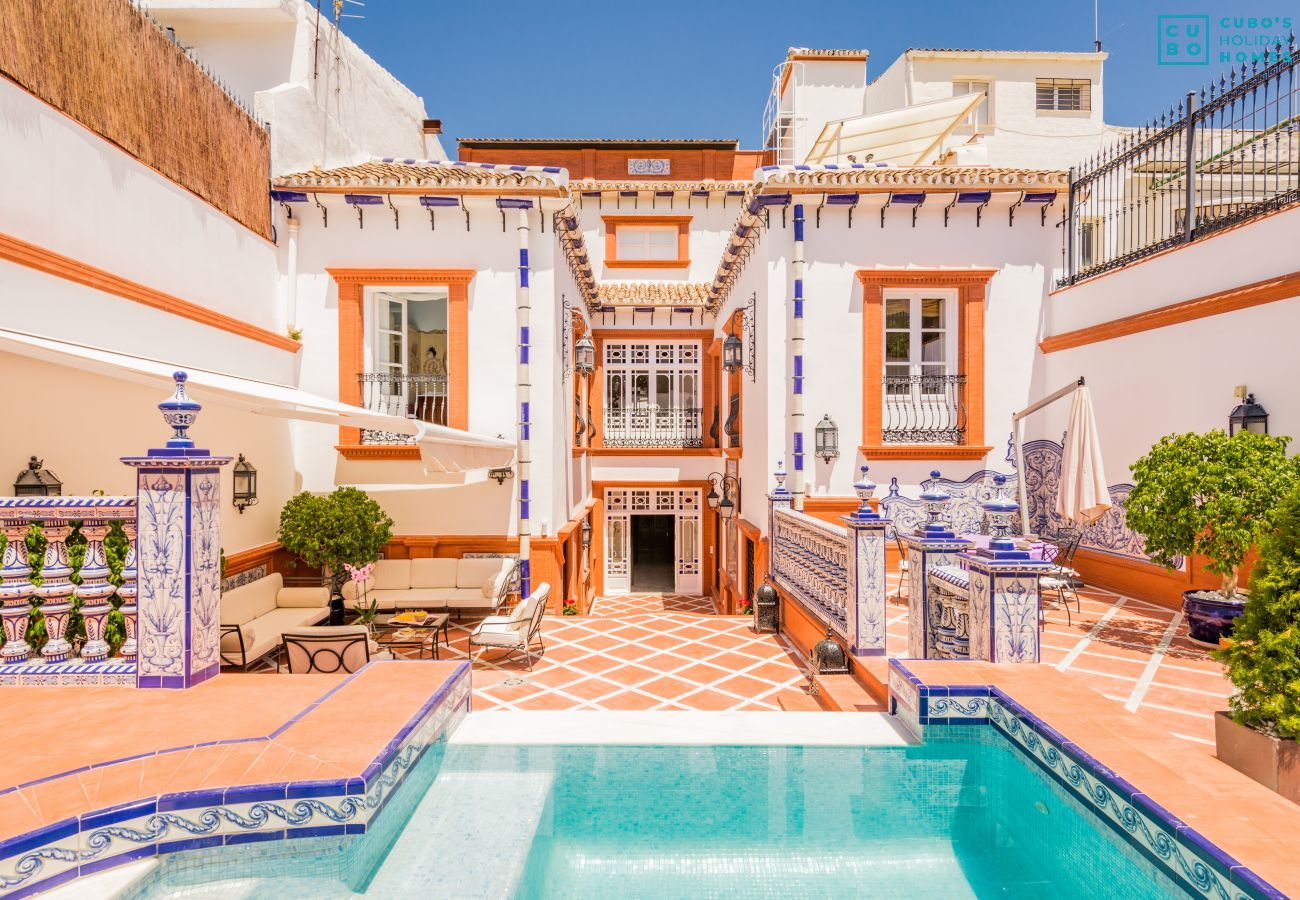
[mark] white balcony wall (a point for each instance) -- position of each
(1180, 377)
(82, 197)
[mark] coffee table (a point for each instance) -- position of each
(423, 635)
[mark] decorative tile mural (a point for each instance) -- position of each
(649, 166)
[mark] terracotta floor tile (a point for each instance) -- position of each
(629, 700)
(708, 700)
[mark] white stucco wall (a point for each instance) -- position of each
(329, 106)
(476, 508)
(82, 197)
(1180, 377)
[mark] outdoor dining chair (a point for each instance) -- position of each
(328, 649)
(517, 631)
(1061, 578)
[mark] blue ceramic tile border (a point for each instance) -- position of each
(1172, 845)
(187, 820)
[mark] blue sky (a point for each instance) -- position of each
(701, 69)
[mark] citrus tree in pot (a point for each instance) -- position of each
(330, 531)
(1210, 495)
(1259, 736)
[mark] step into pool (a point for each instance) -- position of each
(960, 816)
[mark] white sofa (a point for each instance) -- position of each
(436, 584)
(255, 616)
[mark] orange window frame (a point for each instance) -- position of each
(971, 286)
(612, 224)
(351, 285)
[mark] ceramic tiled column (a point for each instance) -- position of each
(1004, 591)
(928, 547)
(866, 574)
(178, 548)
(94, 591)
(55, 592)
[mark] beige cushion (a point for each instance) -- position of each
(523, 609)
(230, 641)
(351, 591)
(472, 572)
(278, 621)
(264, 644)
(433, 573)
(420, 598)
(302, 597)
(244, 604)
(470, 597)
(392, 574)
(337, 648)
(498, 636)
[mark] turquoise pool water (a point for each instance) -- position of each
(959, 817)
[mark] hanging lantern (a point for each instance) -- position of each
(244, 494)
(37, 481)
(725, 507)
(584, 356)
(586, 535)
(828, 439)
(733, 354)
(1248, 416)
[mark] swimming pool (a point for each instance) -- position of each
(962, 815)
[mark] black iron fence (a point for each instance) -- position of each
(653, 427)
(1222, 156)
(422, 397)
(924, 409)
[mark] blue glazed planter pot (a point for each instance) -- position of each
(1210, 618)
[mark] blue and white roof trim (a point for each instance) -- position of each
(875, 177)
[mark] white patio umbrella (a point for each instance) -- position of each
(1083, 496)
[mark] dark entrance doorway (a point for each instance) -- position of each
(653, 561)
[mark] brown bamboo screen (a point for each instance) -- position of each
(105, 64)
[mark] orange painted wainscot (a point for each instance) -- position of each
(1201, 822)
(239, 758)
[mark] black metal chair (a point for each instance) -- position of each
(329, 649)
(1062, 576)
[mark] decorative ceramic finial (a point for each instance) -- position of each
(1000, 511)
(180, 412)
(865, 488)
(780, 474)
(934, 499)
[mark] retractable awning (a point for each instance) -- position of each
(910, 136)
(442, 449)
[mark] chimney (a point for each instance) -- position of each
(432, 146)
(431, 126)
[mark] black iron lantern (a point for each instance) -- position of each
(767, 604)
(244, 494)
(1248, 416)
(37, 481)
(733, 354)
(586, 535)
(725, 507)
(828, 657)
(712, 497)
(828, 439)
(584, 356)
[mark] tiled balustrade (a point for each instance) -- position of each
(57, 518)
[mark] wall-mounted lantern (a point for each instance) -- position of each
(1248, 416)
(584, 356)
(828, 439)
(501, 473)
(733, 354)
(723, 503)
(244, 494)
(37, 481)
(586, 535)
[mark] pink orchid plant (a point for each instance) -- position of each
(366, 609)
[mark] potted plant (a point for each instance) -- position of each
(1210, 495)
(366, 609)
(1259, 736)
(331, 531)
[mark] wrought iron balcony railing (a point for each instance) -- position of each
(1227, 155)
(924, 409)
(422, 397)
(654, 427)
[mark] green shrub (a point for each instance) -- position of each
(327, 531)
(1209, 495)
(1263, 655)
(569, 609)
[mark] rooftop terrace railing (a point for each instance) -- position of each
(1228, 154)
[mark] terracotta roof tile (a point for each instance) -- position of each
(377, 173)
(654, 293)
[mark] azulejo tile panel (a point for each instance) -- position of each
(168, 823)
(1167, 841)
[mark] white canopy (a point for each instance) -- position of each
(442, 449)
(910, 136)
